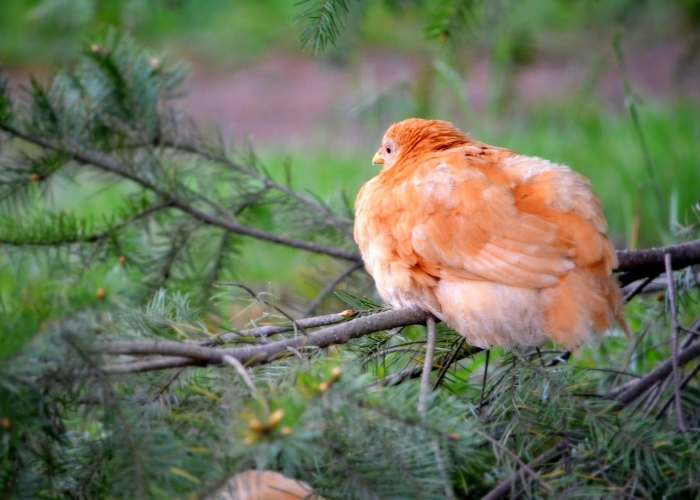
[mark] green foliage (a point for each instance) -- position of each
(449, 19)
(325, 19)
(5, 102)
(106, 193)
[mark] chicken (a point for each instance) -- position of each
(506, 249)
(263, 485)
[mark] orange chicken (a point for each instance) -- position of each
(506, 249)
(263, 485)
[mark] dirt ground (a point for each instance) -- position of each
(283, 100)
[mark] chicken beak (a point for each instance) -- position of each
(377, 159)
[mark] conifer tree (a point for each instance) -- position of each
(123, 375)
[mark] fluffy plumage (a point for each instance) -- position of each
(506, 249)
(263, 485)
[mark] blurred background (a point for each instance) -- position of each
(611, 88)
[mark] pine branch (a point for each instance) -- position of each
(341, 223)
(330, 288)
(623, 396)
(258, 354)
(635, 388)
(634, 264)
(108, 164)
(325, 19)
(78, 237)
(347, 331)
(505, 487)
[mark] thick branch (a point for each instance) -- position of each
(258, 354)
(107, 164)
(636, 264)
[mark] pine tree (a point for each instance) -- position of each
(122, 375)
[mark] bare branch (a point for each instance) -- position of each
(633, 389)
(330, 288)
(676, 330)
(636, 264)
(504, 487)
(427, 366)
(258, 354)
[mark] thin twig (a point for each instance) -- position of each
(330, 288)
(676, 327)
(427, 366)
(217, 264)
(340, 223)
(504, 487)
(634, 289)
(633, 389)
(230, 360)
(685, 382)
(268, 330)
(483, 380)
(448, 362)
(260, 298)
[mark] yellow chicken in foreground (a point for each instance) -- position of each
(506, 249)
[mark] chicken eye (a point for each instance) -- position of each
(388, 149)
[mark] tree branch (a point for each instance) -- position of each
(633, 389)
(268, 330)
(676, 332)
(107, 164)
(633, 264)
(342, 224)
(637, 264)
(91, 238)
(504, 487)
(176, 352)
(330, 287)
